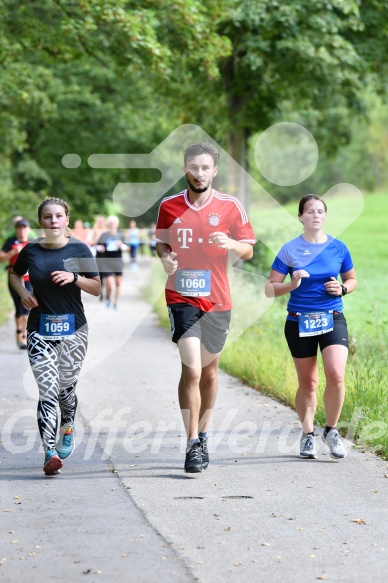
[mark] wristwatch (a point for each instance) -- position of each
(344, 290)
(76, 278)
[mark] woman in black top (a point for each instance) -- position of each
(59, 267)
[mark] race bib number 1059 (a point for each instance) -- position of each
(56, 326)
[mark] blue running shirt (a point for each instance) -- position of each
(321, 261)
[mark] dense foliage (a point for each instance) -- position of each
(115, 76)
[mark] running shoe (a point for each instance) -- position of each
(21, 341)
(52, 463)
(204, 452)
(66, 441)
(193, 461)
(307, 446)
(333, 441)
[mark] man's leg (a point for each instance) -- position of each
(189, 384)
(190, 400)
(208, 386)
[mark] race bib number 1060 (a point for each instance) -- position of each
(193, 282)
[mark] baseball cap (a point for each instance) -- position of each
(22, 223)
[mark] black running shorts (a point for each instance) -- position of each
(306, 346)
(211, 328)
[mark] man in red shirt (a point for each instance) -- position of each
(195, 231)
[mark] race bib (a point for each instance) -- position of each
(112, 245)
(314, 323)
(56, 326)
(194, 283)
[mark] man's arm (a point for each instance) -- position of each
(167, 257)
(240, 249)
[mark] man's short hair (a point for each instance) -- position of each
(201, 148)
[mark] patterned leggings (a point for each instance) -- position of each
(56, 366)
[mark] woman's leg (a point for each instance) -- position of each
(334, 362)
(306, 395)
(71, 358)
(117, 289)
(108, 287)
(43, 356)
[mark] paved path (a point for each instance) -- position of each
(123, 510)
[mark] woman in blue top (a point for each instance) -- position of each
(314, 260)
(59, 267)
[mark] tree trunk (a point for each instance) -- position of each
(237, 168)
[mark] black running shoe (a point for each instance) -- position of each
(205, 453)
(193, 461)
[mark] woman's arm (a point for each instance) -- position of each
(90, 285)
(349, 280)
(17, 282)
(276, 287)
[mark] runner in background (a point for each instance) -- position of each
(143, 239)
(314, 261)
(10, 251)
(196, 230)
(60, 266)
(98, 229)
(133, 242)
(80, 232)
(152, 239)
(111, 244)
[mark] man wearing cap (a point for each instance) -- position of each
(11, 248)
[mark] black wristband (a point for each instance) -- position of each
(344, 290)
(75, 277)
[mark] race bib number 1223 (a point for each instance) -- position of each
(315, 323)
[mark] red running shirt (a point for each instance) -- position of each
(186, 229)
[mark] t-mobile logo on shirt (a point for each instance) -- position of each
(187, 237)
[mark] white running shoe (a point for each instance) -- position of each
(307, 446)
(334, 443)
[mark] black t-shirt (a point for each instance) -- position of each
(52, 298)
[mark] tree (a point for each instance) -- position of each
(303, 61)
(85, 76)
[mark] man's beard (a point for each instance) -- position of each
(197, 189)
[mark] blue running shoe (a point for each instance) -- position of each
(52, 463)
(66, 441)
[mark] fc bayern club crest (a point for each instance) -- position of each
(214, 219)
